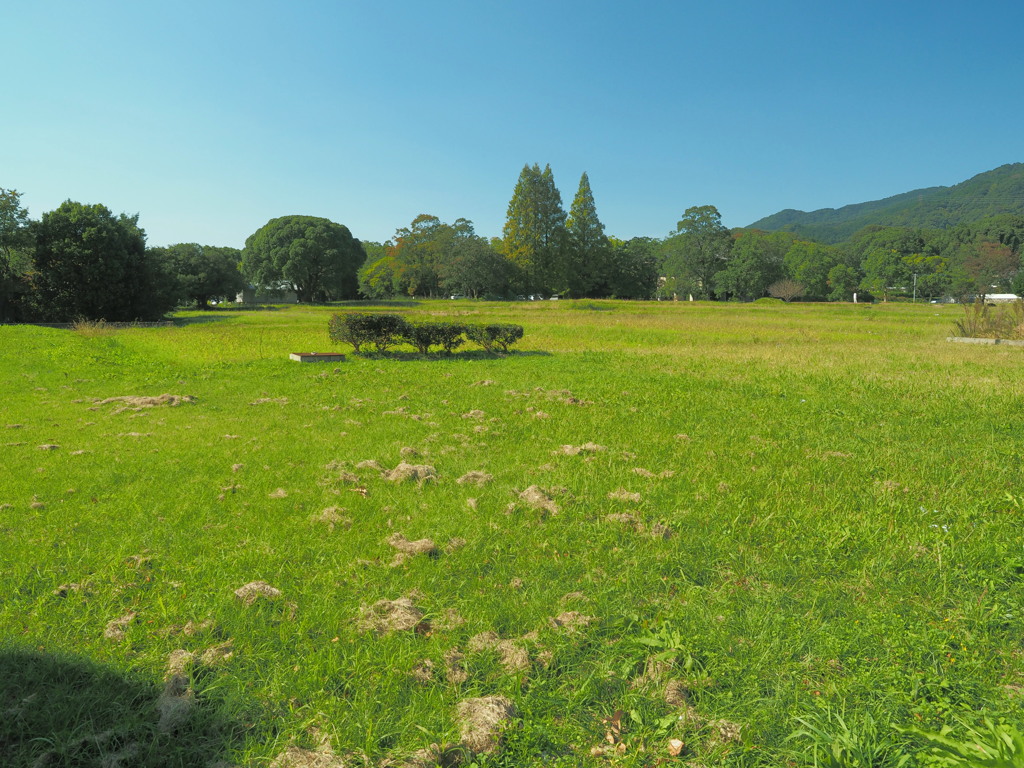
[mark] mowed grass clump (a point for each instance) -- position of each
(661, 532)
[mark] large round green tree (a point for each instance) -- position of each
(91, 264)
(317, 258)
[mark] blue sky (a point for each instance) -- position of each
(209, 118)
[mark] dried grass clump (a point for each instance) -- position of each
(137, 403)
(386, 616)
(256, 590)
(66, 589)
(407, 548)
(405, 472)
(677, 694)
(621, 494)
(299, 757)
(626, 519)
(476, 413)
(332, 518)
(514, 658)
(423, 671)
(482, 721)
(47, 447)
(264, 400)
(175, 704)
(575, 450)
(371, 464)
(454, 667)
(475, 477)
(454, 544)
(570, 620)
(115, 629)
(536, 498)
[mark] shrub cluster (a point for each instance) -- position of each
(385, 330)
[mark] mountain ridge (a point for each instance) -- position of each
(1000, 190)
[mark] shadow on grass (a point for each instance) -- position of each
(200, 319)
(475, 354)
(61, 710)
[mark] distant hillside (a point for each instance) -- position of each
(987, 194)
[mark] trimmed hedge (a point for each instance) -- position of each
(488, 335)
(386, 330)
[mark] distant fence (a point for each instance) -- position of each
(118, 326)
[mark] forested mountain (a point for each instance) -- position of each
(994, 192)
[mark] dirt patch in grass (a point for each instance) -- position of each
(256, 590)
(333, 517)
(482, 720)
(536, 498)
(280, 493)
(454, 544)
(475, 477)
(417, 547)
(423, 671)
(66, 589)
(175, 704)
(575, 450)
(514, 658)
(137, 403)
(642, 472)
(405, 472)
(455, 667)
(116, 628)
(621, 494)
(476, 413)
(47, 447)
(407, 549)
(371, 464)
(387, 616)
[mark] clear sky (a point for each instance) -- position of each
(209, 118)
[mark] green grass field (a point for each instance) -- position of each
(752, 520)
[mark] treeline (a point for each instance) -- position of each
(548, 252)
(82, 261)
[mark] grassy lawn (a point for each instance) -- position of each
(748, 521)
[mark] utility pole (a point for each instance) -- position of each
(915, 287)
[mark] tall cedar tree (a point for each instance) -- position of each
(589, 250)
(535, 237)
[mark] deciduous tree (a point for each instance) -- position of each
(202, 272)
(697, 250)
(754, 264)
(91, 264)
(316, 257)
(15, 256)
